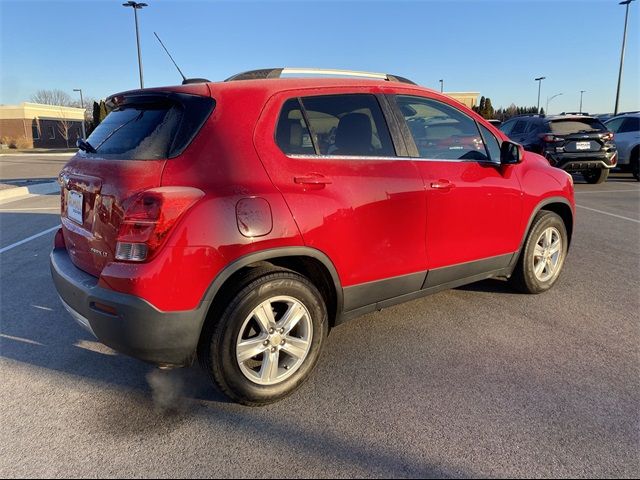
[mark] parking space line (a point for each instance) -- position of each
(610, 214)
(28, 239)
(9, 210)
(609, 191)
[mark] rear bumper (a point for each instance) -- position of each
(576, 162)
(138, 329)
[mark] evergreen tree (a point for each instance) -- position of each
(488, 111)
(103, 111)
(96, 115)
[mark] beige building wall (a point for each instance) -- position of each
(34, 124)
(469, 99)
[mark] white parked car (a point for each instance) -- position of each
(626, 128)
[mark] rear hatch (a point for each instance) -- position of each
(125, 155)
(578, 134)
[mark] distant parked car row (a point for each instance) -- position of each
(580, 143)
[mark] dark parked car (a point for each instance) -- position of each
(576, 143)
(243, 219)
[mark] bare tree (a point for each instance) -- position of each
(64, 127)
(52, 97)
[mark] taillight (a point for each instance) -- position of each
(546, 137)
(607, 137)
(149, 218)
(58, 240)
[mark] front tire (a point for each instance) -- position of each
(635, 164)
(542, 258)
(596, 176)
(268, 339)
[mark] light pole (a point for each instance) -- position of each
(548, 100)
(581, 93)
(539, 80)
(137, 6)
(441, 85)
(84, 132)
(624, 43)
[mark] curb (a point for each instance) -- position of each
(38, 189)
(44, 154)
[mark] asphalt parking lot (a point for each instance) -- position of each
(477, 381)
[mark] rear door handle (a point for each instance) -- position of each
(442, 185)
(313, 180)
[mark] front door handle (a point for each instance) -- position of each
(442, 185)
(317, 181)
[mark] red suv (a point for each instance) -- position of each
(239, 221)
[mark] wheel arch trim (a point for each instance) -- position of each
(270, 254)
(540, 206)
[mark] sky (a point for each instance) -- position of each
(494, 47)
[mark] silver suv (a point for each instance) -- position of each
(626, 128)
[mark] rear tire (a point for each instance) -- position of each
(596, 176)
(543, 255)
(284, 358)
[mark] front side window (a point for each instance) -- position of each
(441, 131)
(492, 144)
(631, 124)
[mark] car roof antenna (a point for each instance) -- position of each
(184, 79)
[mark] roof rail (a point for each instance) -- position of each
(583, 114)
(278, 72)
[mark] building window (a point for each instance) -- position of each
(52, 133)
(35, 131)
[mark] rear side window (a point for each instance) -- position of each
(576, 125)
(441, 131)
(519, 127)
(148, 128)
(614, 125)
(507, 127)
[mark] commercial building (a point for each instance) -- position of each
(33, 125)
(470, 99)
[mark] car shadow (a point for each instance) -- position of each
(35, 328)
(492, 285)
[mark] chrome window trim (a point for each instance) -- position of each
(375, 158)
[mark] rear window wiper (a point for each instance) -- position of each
(85, 146)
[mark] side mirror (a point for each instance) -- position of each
(510, 153)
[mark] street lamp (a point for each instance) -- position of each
(624, 42)
(548, 100)
(441, 85)
(581, 92)
(539, 80)
(137, 6)
(84, 132)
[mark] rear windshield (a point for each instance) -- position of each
(151, 129)
(576, 125)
